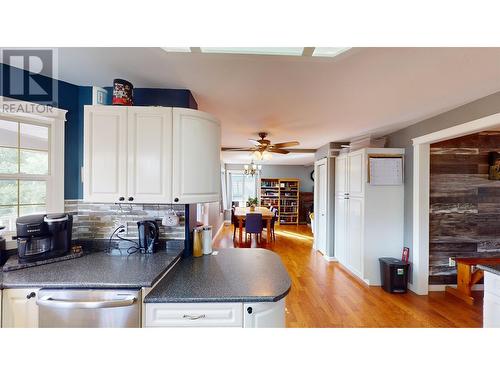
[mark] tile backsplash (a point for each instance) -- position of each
(97, 221)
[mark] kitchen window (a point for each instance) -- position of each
(31, 163)
(24, 170)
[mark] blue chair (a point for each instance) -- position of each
(253, 224)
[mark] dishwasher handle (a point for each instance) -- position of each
(48, 301)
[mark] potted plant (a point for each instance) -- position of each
(252, 203)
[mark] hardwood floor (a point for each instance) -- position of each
(324, 294)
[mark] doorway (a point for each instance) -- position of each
(421, 187)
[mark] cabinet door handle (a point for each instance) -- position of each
(130, 199)
(176, 199)
(121, 199)
(31, 295)
(194, 317)
(249, 310)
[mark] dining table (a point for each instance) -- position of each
(241, 212)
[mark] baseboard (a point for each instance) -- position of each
(330, 259)
(442, 287)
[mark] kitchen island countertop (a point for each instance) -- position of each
(228, 275)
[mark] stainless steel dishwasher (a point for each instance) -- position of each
(88, 308)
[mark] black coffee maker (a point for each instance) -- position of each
(45, 236)
(149, 236)
(3, 248)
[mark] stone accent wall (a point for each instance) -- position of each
(97, 221)
(464, 204)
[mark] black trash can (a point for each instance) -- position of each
(394, 275)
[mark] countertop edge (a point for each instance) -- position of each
(72, 285)
(488, 268)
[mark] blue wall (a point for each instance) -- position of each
(72, 98)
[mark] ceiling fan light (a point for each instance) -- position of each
(257, 155)
(245, 166)
(266, 155)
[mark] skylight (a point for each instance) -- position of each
(329, 51)
(285, 51)
(276, 51)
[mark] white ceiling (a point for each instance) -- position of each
(309, 99)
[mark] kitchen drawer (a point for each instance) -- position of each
(492, 283)
(194, 315)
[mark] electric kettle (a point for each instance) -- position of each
(149, 234)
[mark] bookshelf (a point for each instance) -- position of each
(269, 192)
(284, 194)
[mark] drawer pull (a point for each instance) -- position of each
(193, 317)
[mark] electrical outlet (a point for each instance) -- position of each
(452, 262)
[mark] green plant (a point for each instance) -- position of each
(253, 201)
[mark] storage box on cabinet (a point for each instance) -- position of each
(150, 155)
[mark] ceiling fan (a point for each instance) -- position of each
(262, 148)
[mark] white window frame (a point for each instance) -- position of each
(54, 119)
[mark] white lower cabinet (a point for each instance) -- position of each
(194, 315)
(264, 314)
(19, 308)
(246, 315)
(491, 302)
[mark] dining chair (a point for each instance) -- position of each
(253, 224)
(235, 222)
(273, 221)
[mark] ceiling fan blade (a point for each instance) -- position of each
(286, 144)
(279, 151)
(256, 142)
(237, 149)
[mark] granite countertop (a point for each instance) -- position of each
(493, 268)
(233, 275)
(94, 270)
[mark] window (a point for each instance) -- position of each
(24, 169)
(242, 187)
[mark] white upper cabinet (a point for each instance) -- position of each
(341, 175)
(356, 174)
(150, 155)
(105, 153)
(196, 167)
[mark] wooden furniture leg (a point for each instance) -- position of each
(240, 225)
(465, 280)
(268, 230)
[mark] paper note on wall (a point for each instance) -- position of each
(386, 171)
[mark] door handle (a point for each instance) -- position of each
(194, 317)
(78, 304)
